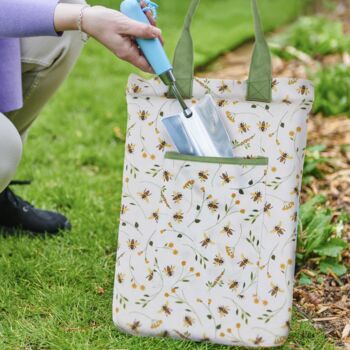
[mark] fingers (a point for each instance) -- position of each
(139, 30)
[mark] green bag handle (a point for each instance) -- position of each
(260, 75)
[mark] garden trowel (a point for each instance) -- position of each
(198, 130)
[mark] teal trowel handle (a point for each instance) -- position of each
(151, 48)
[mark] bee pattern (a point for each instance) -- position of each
(284, 157)
(166, 309)
(286, 100)
(263, 126)
(169, 270)
(267, 208)
(203, 176)
(218, 260)
(131, 148)
(226, 179)
(188, 321)
(136, 89)
(124, 209)
(227, 230)
(275, 290)
(120, 278)
(145, 195)
(258, 340)
(167, 176)
(155, 216)
(135, 326)
(279, 230)
(244, 128)
(233, 285)
(133, 244)
(189, 184)
(224, 87)
(303, 90)
(178, 217)
(150, 275)
(244, 262)
(257, 197)
(274, 85)
(206, 241)
(222, 103)
(163, 145)
(177, 197)
(223, 310)
(213, 206)
(143, 115)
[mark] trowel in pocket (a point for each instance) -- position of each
(198, 130)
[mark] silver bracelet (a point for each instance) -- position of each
(84, 37)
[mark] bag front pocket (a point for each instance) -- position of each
(206, 250)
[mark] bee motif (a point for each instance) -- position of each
(256, 197)
(163, 145)
(303, 90)
(274, 84)
(233, 285)
(243, 127)
(258, 340)
(169, 270)
(219, 260)
(166, 310)
(295, 191)
(206, 241)
(124, 209)
(267, 208)
(222, 103)
(213, 206)
(145, 195)
(155, 216)
(150, 275)
(244, 262)
(177, 196)
(135, 89)
(279, 230)
(275, 290)
(284, 157)
(131, 148)
(120, 278)
(228, 230)
(224, 87)
(143, 115)
(188, 321)
(286, 100)
(203, 176)
(167, 176)
(294, 217)
(189, 184)
(135, 326)
(178, 217)
(226, 179)
(223, 310)
(263, 126)
(132, 244)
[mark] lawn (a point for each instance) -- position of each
(56, 293)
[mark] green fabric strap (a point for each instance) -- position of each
(260, 75)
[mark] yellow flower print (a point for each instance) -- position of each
(303, 90)
(162, 145)
(145, 195)
(263, 126)
(228, 230)
(243, 127)
(223, 310)
(230, 116)
(226, 179)
(178, 217)
(292, 81)
(218, 260)
(279, 230)
(135, 326)
(166, 309)
(169, 270)
(133, 244)
(143, 114)
(131, 148)
(156, 324)
(203, 175)
(230, 252)
(213, 206)
(177, 197)
(189, 184)
(256, 196)
(188, 321)
(167, 176)
(288, 206)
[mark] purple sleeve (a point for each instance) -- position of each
(22, 18)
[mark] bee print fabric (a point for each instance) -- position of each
(206, 246)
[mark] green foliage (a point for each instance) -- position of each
(314, 36)
(320, 238)
(332, 88)
(313, 160)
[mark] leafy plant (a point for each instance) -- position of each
(320, 239)
(314, 36)
(332, 87)
(313, 161)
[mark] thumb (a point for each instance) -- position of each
(140, 30)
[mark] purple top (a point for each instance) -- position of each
(18, 19)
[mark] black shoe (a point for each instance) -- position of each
(17, 214)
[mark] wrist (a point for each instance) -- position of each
(67, 16)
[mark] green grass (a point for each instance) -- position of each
(50, 289)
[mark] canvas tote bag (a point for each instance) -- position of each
(206, 246)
